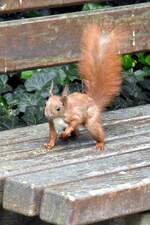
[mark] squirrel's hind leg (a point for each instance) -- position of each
(96, 131)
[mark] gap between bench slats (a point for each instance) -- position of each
(34, 148)
(23, 193)
(19, 5)
(29, 157)
(98, 198)
(30, 160)
(22, 163)
(51, 40)
(30, 154)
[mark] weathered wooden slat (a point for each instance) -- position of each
(126, 114)
(35, 159)
(23, 193)
(51, 40)
(14, 136)
(33, 148)
(20, 5)
(32, 159)
(25, 156)
(97, 198)
(23, 146)
(29, 165)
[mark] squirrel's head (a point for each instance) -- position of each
(55, 106)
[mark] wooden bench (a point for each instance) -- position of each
(74, 183)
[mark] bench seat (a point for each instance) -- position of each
(75, 183)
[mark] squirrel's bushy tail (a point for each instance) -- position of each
(100, 64)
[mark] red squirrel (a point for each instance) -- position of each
(100, 69)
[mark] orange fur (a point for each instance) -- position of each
(100, 69)
(100, 65)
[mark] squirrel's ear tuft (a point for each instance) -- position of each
(65, 91)
(51, 89)
(64, 100)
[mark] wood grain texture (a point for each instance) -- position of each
(23, 193)
(19, 5)
(25, 146)
(97, 198)
(22, 152)
(39, 131)
(27, 158)
(51, 40)
(27, 169)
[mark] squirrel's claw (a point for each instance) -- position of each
(48, 146)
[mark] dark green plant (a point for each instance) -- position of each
(33, 13)
(136, 81)
(137, 65)
(94, 6)
(25, 104)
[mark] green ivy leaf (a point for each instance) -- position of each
(3, 106)
(93, 6)
(128, 62)
(147, 60)
(39, 79)
(33, 115)
(61, 78)
(8, 121)
(72, 72)
(3, 79)
(140, 74)
(141, 58)
(4, 87)
(26, 74)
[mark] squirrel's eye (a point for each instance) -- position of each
(58, 108)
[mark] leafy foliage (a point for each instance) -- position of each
(26, 74)
(24, 105)
(94, 6)
(136, 82)
(4, 87)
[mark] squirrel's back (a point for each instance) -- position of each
(100, 64)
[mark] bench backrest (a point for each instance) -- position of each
(51, 40)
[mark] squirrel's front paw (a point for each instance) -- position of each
(64, 136)
(100, 146)
(48, 146)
